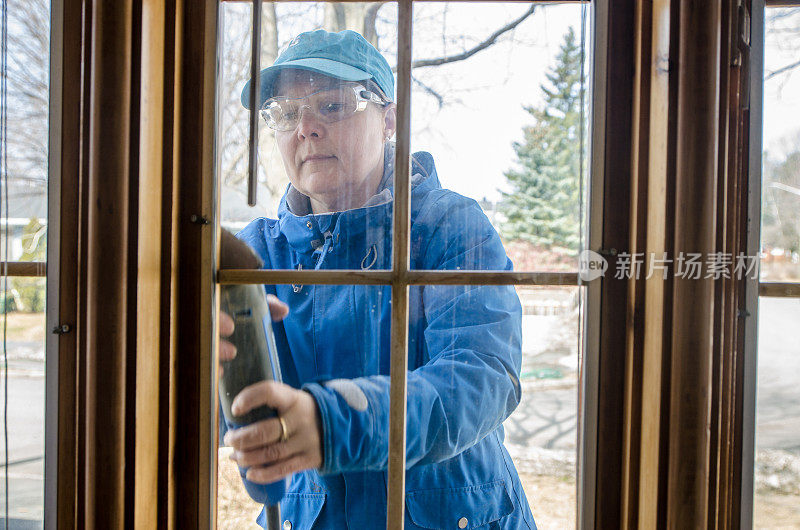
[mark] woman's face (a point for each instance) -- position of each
(337, 165)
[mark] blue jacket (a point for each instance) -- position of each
(464, 361)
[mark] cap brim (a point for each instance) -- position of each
(327, 67)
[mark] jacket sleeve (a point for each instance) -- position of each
(468, 382)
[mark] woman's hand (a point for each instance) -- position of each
(258, 446)
(227, 351)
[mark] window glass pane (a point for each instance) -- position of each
(492, 406)
(777, 459)
(334, 344)
(24, 238)
(780, 219)
(541, 433)
(325, 135)
(474, 351)
(501, 123)
(323, 132)
(777, 452)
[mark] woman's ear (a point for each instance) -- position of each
(389, 120)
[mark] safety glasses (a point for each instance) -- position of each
(329, 106)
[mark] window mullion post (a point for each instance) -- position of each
(401, 224)
(749, 328)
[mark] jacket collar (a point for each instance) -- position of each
(306, 231)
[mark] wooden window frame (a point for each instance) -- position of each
(164, 387)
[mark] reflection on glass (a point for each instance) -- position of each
(24, 238)
(777, 452)
(329, 101)
(25, 325)
(333, 145)
(328, 111)
(506, 125)
(780, 206)
(334, 344)
(541, 434)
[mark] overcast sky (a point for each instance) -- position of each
(472, 140)
(471, 136)
(782, 93)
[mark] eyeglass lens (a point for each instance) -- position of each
(284, 113)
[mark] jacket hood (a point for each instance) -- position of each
(308, 232)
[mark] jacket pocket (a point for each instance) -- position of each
(459, 508)
(300, 509)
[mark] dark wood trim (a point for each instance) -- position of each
(107, 289)
(24, 269)
(618, 110)
(778, 289)
(647, 215)
(729, 212)
(690, 471)
(82, 274)
(696, 176)
(115, 421)
(168, 335)
(62, 447)
(347, 277)
(247, 276)
(195, 394)
(138, 429)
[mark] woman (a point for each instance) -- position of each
(329, 98)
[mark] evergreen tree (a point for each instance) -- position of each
(543, 207)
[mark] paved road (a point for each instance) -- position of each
(26, 443)
(546, 418)
(778, 390)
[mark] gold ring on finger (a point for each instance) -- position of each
(284, 430)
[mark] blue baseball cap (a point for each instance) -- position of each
(344, 55)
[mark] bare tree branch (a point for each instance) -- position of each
(781, 70)
(429, 90)
(777, 14)
(472, 51)
(370, 16)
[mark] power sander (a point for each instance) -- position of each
(256, 358)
